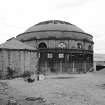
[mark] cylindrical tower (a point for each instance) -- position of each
(62, 46)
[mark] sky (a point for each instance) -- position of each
(16, 16)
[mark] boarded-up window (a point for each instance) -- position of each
(50, 55)
(61, 55)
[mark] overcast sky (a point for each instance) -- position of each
(18, 15)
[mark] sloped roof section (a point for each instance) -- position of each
(15, 44)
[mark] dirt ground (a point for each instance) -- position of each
(67, 89)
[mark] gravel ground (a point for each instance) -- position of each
(71, 89)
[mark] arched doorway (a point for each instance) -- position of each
(43, 57)
(42, 45)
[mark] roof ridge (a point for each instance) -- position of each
(54, 22)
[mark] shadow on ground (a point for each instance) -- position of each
(64, 77)
(101, 86)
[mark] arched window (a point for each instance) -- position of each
(79, 46)
(42, 45)
(89, 47)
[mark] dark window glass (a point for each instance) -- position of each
(79, 45)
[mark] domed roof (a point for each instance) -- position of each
(54, 25)
(54, 29)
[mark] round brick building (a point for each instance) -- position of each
(62, 47)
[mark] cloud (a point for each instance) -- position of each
(17, 15)
(61, 4)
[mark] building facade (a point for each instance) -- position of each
(62, 47)
(18, 57)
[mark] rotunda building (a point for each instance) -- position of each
(62, 47)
